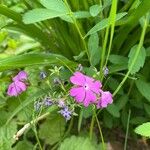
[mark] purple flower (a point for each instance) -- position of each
(37, 105)
(43, 75)
(105, 71)
(48, 102)
(61, 103)
(21, 76)
(105, 99)
(16, 88)
(85, 88)
(66, 113)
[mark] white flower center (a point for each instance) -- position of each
(86, 86)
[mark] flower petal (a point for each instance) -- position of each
(78, 93)
(89, 98)
(22, 75)
(78, 79)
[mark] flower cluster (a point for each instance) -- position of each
(18, 85)
(46, 102)
(86, 90)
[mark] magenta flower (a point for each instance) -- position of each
(16, 88)
(105, 99)
(21, 76)
(85, 88)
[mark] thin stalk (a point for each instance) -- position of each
(104, 52)
(135, 57)
(127, 131)
(77, 27)
(91, 127)
(100, 131)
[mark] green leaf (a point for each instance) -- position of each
(121, 102)
(95, 10)
(87, 111)
(103, 24)
(7, 132)
(140, 59)
(77, 143)
(138, 120)
(147, 108)
(108, 119)
(40, 14)
(93, 47)
(32, 59)
(144, 88)
(81, 14)
(143, 129)
(52, 129)
(113, 110)
(118, 59)
(23, 145)
(56, 5)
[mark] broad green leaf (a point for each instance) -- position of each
(144, 88)
(93, 47)
(118, 59)
(117, 67)
(138, 120)
(139, 61)
(108, 119)
(32, 59)
(143, 129)
(23, 145)
(57, 5)
(147, 108)
(103, 24)
(113, 110)
(77, 143)
(7, 132)
(81, 14)
(52, 129)
(95, 10)
(87, 111)
(80, 56)
(121, 102)
(148, 51)
(40, 14)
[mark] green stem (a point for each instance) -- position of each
(100, 131)
(135, 57)
(91, 127)
(127, 131)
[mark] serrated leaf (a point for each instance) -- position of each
(103, 24)
(93, 47)
(139, 63)
(113, 110)
(95, 10)
(40, 14)
(77, 143)
(143, 129)
(52, 129)
(144, 88)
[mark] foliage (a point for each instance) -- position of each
(50, 40)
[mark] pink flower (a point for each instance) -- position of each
(16, 88)
(85, 88)
(21, 76)
(105, 99)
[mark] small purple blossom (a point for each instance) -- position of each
(37, 105)
(61, 103)
(85, 89)
(66, 113)
(105, 99)
(43, 75)
(105, 71)
(17, 86)
(48, 102)
(21, 76)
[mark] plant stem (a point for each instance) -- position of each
(127, 131)
(135, 57)
(91, 127)
(100, 131)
